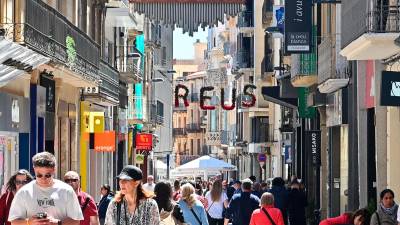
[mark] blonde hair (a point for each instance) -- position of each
(267, 199)
(187, 192)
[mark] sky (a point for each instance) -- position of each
(183, 43)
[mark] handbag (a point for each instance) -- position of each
(269, 217)
(178, 214)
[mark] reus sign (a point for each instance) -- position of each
(313, 144)
(298, 26)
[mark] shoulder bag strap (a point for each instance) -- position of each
(118, 213)
(210, 207)
(379, 219)
(269, 217)
(195, 215)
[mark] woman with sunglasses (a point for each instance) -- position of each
(16, 181)
(132, 205)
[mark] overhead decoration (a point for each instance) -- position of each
(206, 99)
(188, 14)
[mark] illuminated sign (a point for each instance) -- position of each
(144, 141)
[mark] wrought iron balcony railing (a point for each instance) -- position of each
(179, 131)
(193, 128)
(245, 59)
(246, 19)
(331, 65)
(360, 17)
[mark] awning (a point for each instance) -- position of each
(121, 17)
(188, 15)
(15, 60)
(272, 94)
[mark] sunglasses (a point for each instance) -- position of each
(70, 180)
(47, 176)
(21, 182)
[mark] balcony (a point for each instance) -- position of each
(193, 128)
(156, 115)
(129, 64)
(178, 132)
(246, 22)
(304, 70)
(226, 138)
(370, 32)
(213, 138)
(268, 12)
(48, 32)
(333, 72)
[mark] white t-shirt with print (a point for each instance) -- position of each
(215, 209)
(58, 201)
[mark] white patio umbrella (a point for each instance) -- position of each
(205, 165)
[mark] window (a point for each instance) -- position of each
(259, 129)
(198, 147)
(160, 109)
(191, 147)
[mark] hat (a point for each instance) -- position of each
(130, 172)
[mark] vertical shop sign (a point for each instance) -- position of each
(298, 26)
(313, 144)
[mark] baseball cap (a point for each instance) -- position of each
(130, 172)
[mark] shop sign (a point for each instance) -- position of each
(50, 86)
(139, 159)
(313, 144)
(144, 141)
(104, 141)
(390, 88)
(305, 111)
(15, 111)
(288, 154)
(298, 26)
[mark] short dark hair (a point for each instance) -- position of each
(106, 187)
(247, 184)
(384, 192)
(278, 181)
(44, 159)
(365, 216)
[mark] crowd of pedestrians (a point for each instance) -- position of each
(48, 201)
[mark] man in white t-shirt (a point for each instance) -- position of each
(45, 201)
(149, 186)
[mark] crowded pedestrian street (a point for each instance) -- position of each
(199, 112)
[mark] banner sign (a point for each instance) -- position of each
(390, 88)
(104, 141)
(313, 144)
(144, 141)
(288, 154)
(298, 26)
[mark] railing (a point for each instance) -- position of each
(245, 59)
(137, 108)
(213, 138)
(179, 131)
(110, 80)
(193, 128)
(131, 62)
(246, 19)
(154, 116)
(226, 137)
(368, 17)
(266, 135)
(331, 65)
(49, 32)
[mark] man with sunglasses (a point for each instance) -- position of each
(45, 201)
(88, 205)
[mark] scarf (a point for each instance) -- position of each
(392, 211)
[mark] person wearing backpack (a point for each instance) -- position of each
(87, 203)
(386, 214)
(267, 214)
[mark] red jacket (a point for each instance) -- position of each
(5, 203)
(342, 219)
(260, 218)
